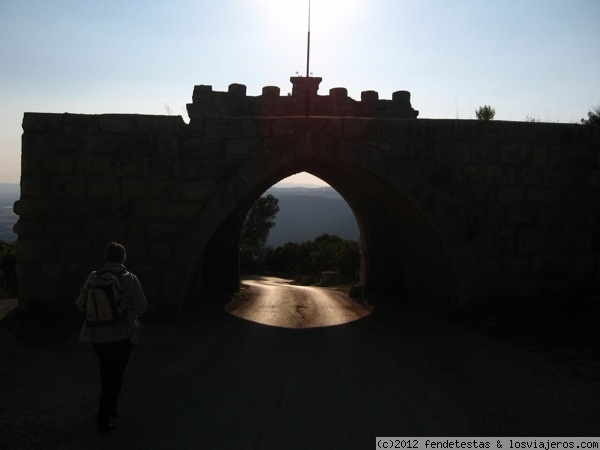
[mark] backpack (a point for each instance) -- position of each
(104, 304)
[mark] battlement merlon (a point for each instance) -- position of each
(304, 101)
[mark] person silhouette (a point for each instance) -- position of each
(113, 343)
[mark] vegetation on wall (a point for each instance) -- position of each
(593, 117)
(485, 112)
(8, 275)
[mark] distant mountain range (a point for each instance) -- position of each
(9, 194)
(305, 212)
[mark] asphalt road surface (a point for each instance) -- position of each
(277, 303)
(301, 379)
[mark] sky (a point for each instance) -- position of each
(536, 59)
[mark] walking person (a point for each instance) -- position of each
(112, 298)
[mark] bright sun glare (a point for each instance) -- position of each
(327, 16)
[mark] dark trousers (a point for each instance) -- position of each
(113, 358)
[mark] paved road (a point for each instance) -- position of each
(276, 302)
(256, 386)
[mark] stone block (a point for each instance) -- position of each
(283, 127)
(166, 189)
(71, 250)
(254, 127)
(29, 229)
(168, 146)
(102, 146)
(593, 180)
(531, 241)
(510, 195)
(103, 187)
(361, 129)
(64, 187)
(137, 228)
(396, 132)
(562, 178)
(544, 196)
(38, 208)
(35, 250)
(147, 124)
(529, 176)
(270, 92)
(596, 139)
(338, 93)
(187, 169)
(180, 211)
(116, 123)
(329, 126)
(134, 188)
(80, 123)
(157, 167)
(42, 122)
(160, 253)
(369, 96)
(501, 175)
(253, 173)
(572, 156)
(223, 128)
(581, 197)
(242, 148)
(197, 190)
(31, 187)
(99, 228)
(164, 231)
(506, 241)
(517, 154)
(64, 228)
(152, 209)
(518, 265)
(472, 174)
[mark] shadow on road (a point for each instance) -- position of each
(253, 386)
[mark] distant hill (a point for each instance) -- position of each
(9, 194)
(306, 213)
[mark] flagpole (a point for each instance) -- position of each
(308, 44)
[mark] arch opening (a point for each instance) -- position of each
(402, 256)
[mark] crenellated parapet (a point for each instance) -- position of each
(303, 101)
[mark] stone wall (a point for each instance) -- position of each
(303, 101)
(449, 210)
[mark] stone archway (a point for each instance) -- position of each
(402, 254)
(449, 210)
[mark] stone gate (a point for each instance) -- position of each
(449, 211)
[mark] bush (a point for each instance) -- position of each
(485, 112)
(327, 253)
(8, 274)
(593, 117)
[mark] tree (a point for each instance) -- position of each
(485, 112)
(593, 117)
(256, 228)
(327, 253)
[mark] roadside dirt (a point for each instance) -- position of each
(496, 375)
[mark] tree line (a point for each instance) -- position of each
(307, 260)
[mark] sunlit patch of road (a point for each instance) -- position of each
(273, 301)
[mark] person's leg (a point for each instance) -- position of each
(113, 358)
(122, 352)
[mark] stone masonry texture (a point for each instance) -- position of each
(450, 211)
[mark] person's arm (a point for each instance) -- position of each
(82, 298)
(139, 304)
